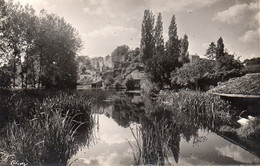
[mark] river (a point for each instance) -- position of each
(127, 133)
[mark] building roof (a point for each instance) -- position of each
(248, 84)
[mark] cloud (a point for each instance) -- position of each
(251, 36)
(119, 8)
(237, 154)
(108, 159)
(237, 13)
(109, 31)
(246, 15)
(99, 11)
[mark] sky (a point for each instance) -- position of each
(106, 24)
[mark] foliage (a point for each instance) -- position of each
(40, 49)
(118, 85)
(42, 128)
(5, 77)
(184, 44)
(147, 40)
(211, 51)
(173, 44)
(199, 103)
(159, 64)
(220, 48)
(190, 74)
(158, 35)
(228, 62)
(130, 84)
(252, 62)
(58, 44)
(252, 65)
(118, 52)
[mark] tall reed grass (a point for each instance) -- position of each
(43, 131)
(198, 103)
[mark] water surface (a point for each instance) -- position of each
(164, 138)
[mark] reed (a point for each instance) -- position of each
(197, 102)
(156, 140)
(44, 131)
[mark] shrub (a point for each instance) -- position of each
(130, 84)
(5, 77)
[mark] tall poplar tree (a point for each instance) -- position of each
(147, 40)
(173, 46)
(220, 48)
(184, 49)
(159, 41)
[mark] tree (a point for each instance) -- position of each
(12, 33)
(173, 45)
(211, 51)
(41, 46)
(170, 61)
(153, 66)
(159, 41)
(252, 62)
(118, 52)
(227, 62)
(147, 39)
(184, 49)
(190, 74)
(220, 52)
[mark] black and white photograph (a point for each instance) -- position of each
(129, 82)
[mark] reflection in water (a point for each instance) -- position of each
(110, 148)
(159, 138)
(132, 130)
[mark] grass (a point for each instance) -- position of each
(197, 103)
(43, 131)
(246, 85)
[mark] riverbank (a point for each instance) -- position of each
(41, 127)
(209, 105)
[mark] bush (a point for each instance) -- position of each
(117, 85)
(228, 62)
(5, 77)
(190, 74)
(130, 84)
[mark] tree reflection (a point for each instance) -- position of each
(158, 138)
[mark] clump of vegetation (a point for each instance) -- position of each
(192, 74)
(5, 77)
(197, 102)
(130, 84)
(252, 65)
(45, 132)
